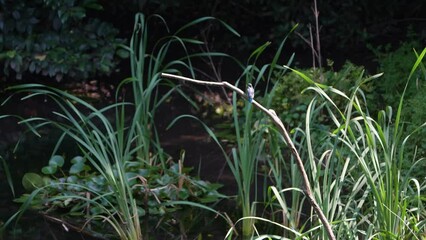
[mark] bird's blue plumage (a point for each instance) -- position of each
(250, 92)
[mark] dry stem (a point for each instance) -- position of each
(271, 113)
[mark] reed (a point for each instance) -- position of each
(357, 167)
(110, 143)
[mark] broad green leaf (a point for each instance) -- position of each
(143, 172)
(99, 180)
(76, 168)
(49, 170)
(57, 161)
(78, 159)
(32, 181)
(93, 186)
(183, 194)
(164, 180)
(72, 179)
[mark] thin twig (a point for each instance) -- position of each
(310, 43)
(215, 68)
(316, 14)
(277, 121)
(318, 47)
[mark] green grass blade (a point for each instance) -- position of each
(8, 175)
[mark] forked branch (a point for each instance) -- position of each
(277, 121)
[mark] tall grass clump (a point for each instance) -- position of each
(147, 63)
(120, 134)
(107, 145)
(244, 161)
(395, 205)
(356, 167)
(251, 127)
(253, 130)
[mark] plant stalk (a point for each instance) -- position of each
(277, 121)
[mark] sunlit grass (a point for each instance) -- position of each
(250, 127)
(357, 168)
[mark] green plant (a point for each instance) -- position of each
(380, 199)
(146, 67)
(151, 187)
(291, 105)
(395, 63)
(5, 169)
(249, 132)
(56, 39)
(106, 147)
(107, 182)
(310, 125)
(118, 149)
(245, 157)
(415, 117)
(243, 163)
(355, 165)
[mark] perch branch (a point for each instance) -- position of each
(277, 121)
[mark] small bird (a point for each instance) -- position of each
(250, 92)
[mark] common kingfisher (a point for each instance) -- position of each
(250, 92)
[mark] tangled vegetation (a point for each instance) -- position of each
(317, 153)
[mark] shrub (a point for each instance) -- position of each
(395, 63)
(291, 104)
(56, 38)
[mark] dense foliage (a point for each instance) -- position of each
(77, 40)
(56, 39)
(152, 187)
(360, 136)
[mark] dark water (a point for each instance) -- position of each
(190, 223)
(29, 157)
(34, 152)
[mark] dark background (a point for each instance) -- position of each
(86, 33)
